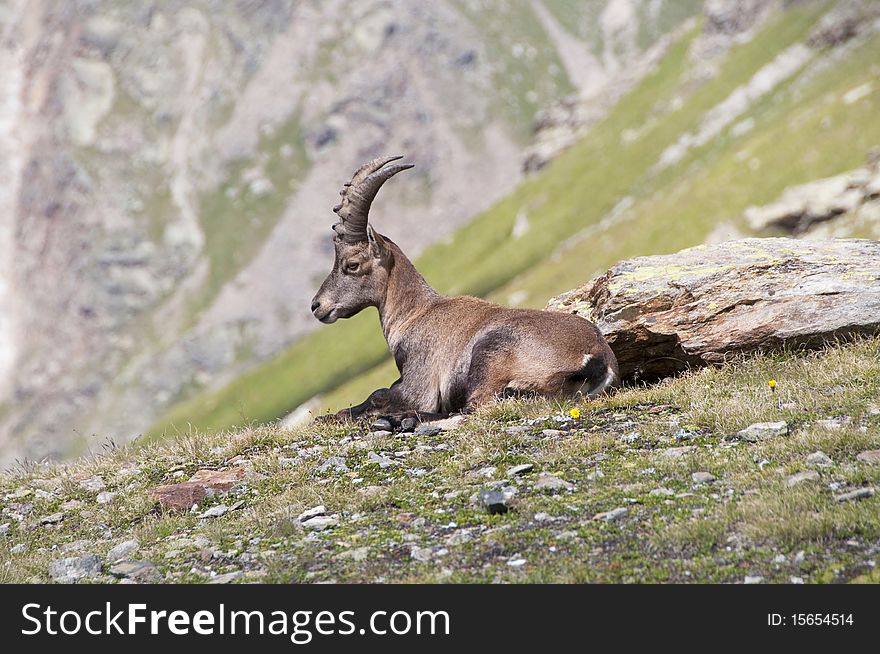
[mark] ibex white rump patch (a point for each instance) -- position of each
(453, 353)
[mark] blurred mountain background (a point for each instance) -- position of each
(168, 171)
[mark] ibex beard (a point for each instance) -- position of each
(453, 353)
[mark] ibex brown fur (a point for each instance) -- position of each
(453, 353)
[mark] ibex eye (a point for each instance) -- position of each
(352, 266)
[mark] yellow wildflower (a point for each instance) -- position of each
(772, 385)
(575, 413)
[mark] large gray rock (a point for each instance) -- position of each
(662, 314)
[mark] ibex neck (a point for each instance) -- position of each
(407, 295)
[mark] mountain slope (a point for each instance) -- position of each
(170, 166)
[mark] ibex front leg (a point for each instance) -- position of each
(385, 402)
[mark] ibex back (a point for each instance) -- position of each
(453, 353)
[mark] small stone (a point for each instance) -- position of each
(753, 580)
(801, 477)
(427, 430)
(312, 513)
(518, 429)
(516, 562)
(226, 578)
(763, 430)
(142, 572)
(320, 523)
(21, 548)
(217, 482)
(4, 529)
(51, 519)
(779, 559)
(74, 568)
(92, 485)
(796, 580)
(869, 456)
(123, 550)
(335, 463)
(611, 516)
(703, 477)
(382, 424)
(819, 459)
(356, 554)
(662, 491)
(858, 494)
(408, 424)
(552, 483)
(678, 452)
(493, 501)
(383, 461)
(421, 554)
(178, 497)
(105, 497)
(215, 511)
(521, 469)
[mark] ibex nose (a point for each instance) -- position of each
(315, 305)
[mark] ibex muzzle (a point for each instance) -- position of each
(453, 353)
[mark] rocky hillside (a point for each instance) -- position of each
(168, 169)
(711, 477)
(744, 102)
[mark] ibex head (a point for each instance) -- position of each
(360, 271)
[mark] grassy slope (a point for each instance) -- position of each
(747, 522)
(672, 210)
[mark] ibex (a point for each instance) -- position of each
(453, 353)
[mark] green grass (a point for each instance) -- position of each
(673, 209)
(746, 522)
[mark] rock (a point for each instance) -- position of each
(662, 492)
(857, 494)
(93, 485)
(702, 477)
(869, 456)
(446, 424)
(105, 497)
(516, 562)
(215, 511)
(383, 461)
(20, 548)
(356, 554)
(226, 578)
(678, 452)
(427, 430)
(51, 519)
(217, 482)
(753, 580)
(763, 430)
(819, 460)
(335, 463)
(178, 497)
(142, 572)
(494, 501)
(320, 523)
(521, 469)
(421, 554)
(123, 550)
(4, 529)
(611, 516)
(664, 314)
(312, 513)
(548, 482)
(75, 568)
(801, 477)
(382, 424)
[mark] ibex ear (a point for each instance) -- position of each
(377, 244)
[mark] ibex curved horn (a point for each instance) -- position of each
(357, 196)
